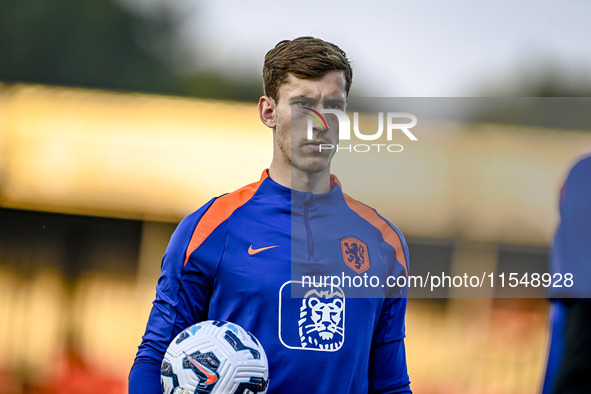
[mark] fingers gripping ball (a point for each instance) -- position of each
(214, 357)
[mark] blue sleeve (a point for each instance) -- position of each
(387, 365)
(571, 252)
(569, 360)
(572, 375)
(557, 322)
(182, 299)
(144, 378)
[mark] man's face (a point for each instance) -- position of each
(291, 116)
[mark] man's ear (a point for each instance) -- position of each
(267, 111)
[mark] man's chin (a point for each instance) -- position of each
(313, 165)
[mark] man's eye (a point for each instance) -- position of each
(338, 106)
(303, 103)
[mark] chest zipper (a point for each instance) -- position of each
(307, 202)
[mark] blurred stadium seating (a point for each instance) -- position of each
(92, 184)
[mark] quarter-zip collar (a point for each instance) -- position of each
(307, 209)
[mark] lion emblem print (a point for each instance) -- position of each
(311, 318)
(321, 320)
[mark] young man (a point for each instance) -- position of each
(240, 257)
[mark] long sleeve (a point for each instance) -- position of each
(182, 299)
(387, 365)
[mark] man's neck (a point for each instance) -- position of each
(302, 181)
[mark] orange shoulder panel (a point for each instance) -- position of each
(388, 233)
(219, 211)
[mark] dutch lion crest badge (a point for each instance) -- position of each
(355, 254)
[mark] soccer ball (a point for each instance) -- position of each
(214, 357)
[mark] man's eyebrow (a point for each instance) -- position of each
(335, 100)
(329, 100)
(299, 97)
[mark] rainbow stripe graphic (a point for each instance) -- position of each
(315, 117)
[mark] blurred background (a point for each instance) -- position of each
(120, 117)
